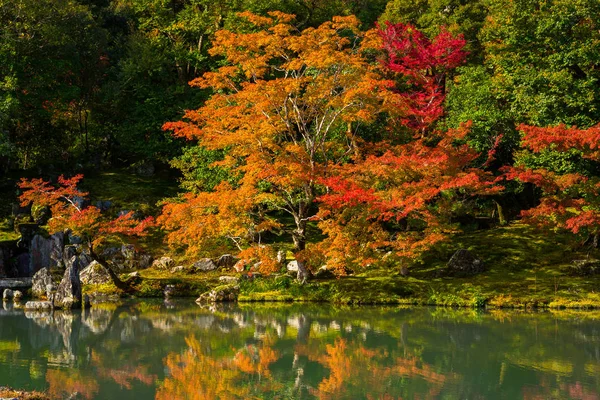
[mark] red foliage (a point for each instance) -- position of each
(424, 63)
(88, 222)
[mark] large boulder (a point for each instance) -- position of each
(68, 294)
(204, 265)
(464, 263)
(40, 281)
(46, 252)
(94, 274)
(225, 293)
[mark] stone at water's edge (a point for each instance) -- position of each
(225, 293)
(68, 294)
(94, 274)
(205, 264)
(7, 295)
(464, 263)
(17, 296)
(40, 281)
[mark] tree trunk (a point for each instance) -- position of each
(113, 275)
(299, 238)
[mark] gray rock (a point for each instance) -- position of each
(226, 261)
(225, 293)
(163, 263)
(17, 295)
(40, 281)
(145, 261)
(68, 294)
(169, 291)
(128, 251)
(22, 264)
(292, 266)
(464, 263)
(38, 306)
(46, 252)
(94, 274)
(7, 295)
(27, 232)
(205, 264)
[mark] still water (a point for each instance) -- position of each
(146, 350)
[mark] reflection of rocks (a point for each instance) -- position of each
(97, 319)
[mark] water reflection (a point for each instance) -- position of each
(148, 350)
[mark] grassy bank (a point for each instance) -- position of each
(525, 269)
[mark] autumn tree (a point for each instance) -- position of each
(287, 107)
(87, 222)
(570, 200)
(400, 198)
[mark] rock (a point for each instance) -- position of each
(128, 251)
(281, 257)
(68, 294)
(46, 252)
(324, 273)
(17, 295)
(133, 275)
(40, 281)
(163, 263)
(145, 261)
(74, 239)
(94, 274)
(103, 205)
(38, 306)
(226, 261)
(7, 295)
(68, 252)
(292, 266)
(223, 293)
(464, 263)
(204, 264)
(169, 291)
(584, 267)
(241, 265)
(178, 269)
(228, 279)
(22, 264)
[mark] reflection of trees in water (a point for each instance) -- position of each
(305, 351)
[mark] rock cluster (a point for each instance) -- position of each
(464, 263)
(225, 293)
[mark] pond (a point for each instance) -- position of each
(178, 350)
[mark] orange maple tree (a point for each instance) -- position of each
(287, 107)
(65, 201)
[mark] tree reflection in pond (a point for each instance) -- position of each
(148, 350)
